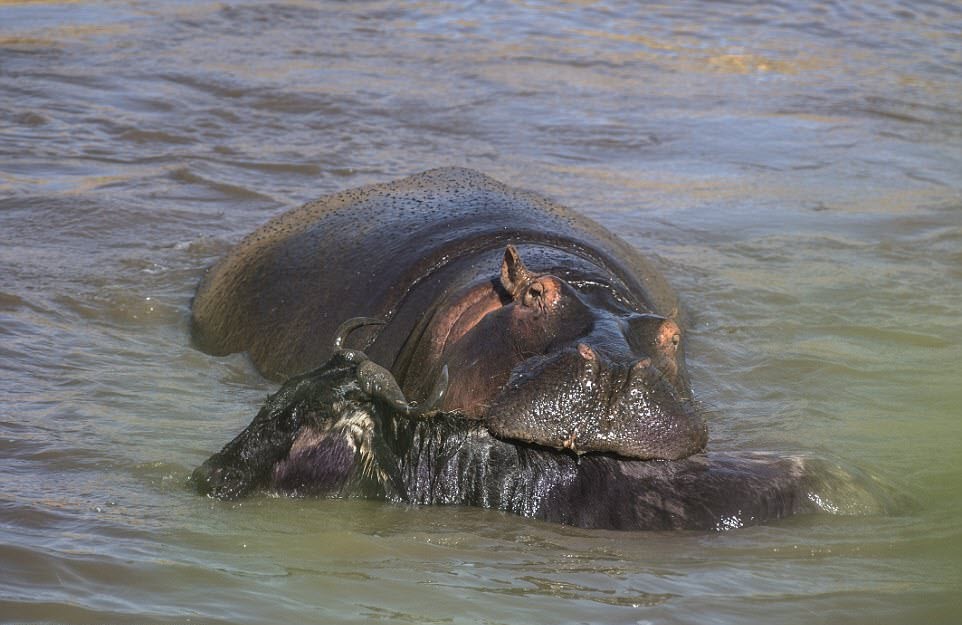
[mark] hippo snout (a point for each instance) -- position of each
(580, 400)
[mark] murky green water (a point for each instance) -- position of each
(796, 169)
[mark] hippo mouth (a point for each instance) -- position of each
(575, 400)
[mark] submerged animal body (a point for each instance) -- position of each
(324, 433)
(516, 356)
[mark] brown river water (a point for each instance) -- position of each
(795, 168)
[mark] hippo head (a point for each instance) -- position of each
(568, 365)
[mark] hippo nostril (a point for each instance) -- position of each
(586, 352)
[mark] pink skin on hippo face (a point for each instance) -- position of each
(534, 361)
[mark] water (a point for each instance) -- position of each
(794, 167)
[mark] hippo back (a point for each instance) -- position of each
(391, 251)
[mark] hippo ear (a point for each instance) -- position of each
(514, 275)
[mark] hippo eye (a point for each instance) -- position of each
(535, 291)
(675, 339)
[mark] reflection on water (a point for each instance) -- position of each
(794, 167)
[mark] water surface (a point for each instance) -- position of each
(793, 167)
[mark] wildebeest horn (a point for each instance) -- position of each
(378, 382)
(437, 393)
(345, 329)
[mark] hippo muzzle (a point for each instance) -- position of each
(582, 401)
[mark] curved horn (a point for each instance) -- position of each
(437, 393)
(433, 400)
(379, 383)
(345, 329)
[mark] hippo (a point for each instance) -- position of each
(445, 338)
(519, 297)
